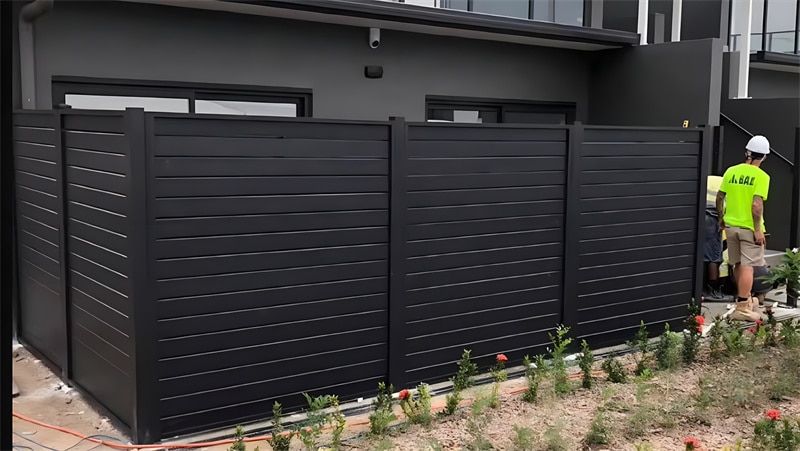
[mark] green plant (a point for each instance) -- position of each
(775, 434)
(451, 403)
(238, 440)
(309, 430)
(668, 352)
(787, 273)
(554, 438)
(705, 397)
(736, 447)
(337, 421)
(524, 439)
(499, 369)
(771, 328)
(384, 445)
(382, 414)
(279, 440)
(599, 433)
(477, 423)
(465, 375)
(734, 339)
(558, 366)
(692, 334)
(785, 381)
(790, 333)
(434, 445)
(641, 343)
(417, 406)
(644, 446)
(585, 361)
(535, 371)
(614, 370)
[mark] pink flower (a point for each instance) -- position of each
(502, 358)
(691, 443)
(759, 322)
(773, 415)
(403, 394)
(752, 330)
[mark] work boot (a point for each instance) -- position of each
(743, 312)
(755, 305)
(716, 295)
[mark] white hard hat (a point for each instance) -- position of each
(758, 144)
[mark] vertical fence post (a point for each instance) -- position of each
(146, 425)
(398, 176)
(794, 240)
(572, 228)
(703, 171)
(63, 237)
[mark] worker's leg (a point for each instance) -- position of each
(744, 278)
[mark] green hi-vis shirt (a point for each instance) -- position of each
(740, 183)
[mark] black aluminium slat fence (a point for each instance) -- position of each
(199, 267)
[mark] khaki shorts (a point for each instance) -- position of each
(742, 247)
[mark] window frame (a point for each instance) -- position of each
(503, 106)
(63, 85)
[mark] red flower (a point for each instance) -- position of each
(759, 322)
(752, 330)
(403, 394)
(700, 320)
(699, 329)
(691, 443)
(773, 415)
(502, 358)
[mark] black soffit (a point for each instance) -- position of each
(447, 18)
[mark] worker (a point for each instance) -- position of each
(740, 207)
(712, 249)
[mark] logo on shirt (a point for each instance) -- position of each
(742, 180)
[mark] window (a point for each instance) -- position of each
(567, 12)
(483, 111)
(96, 94)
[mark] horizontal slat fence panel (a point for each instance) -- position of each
(482, 266)
(269, 241)
(97, 158)
(637, 227)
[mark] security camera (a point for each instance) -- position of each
(374, 37)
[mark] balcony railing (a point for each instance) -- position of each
(776, 41)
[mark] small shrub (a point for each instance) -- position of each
(790, 333)
(384, 445)
(668, 352)
(382, 414)
(691, 337)
(499, 369)
(775, 434)
(434, 445)
(614, 370)
(705, 397)
(417, 407)
(465, 375)
(644, 446)
(599, 433)
(585, 361)
(338, 422)
(560, 342)
(554, 438)
(535, 371)
(524, 439)
(640, 343)
(477, 423)
(310, 430)
(238, 440)
(451, 403)
(279, 440)
(786, 381)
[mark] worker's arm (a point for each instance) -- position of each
(758, 213)
(721, 208)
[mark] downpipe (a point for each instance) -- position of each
(27, 61)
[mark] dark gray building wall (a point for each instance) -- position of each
(702, 19)
(121, 40)
(621, 15)
(767, 84)
(657, 85)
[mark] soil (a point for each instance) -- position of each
(662, 410)
(43, 397)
